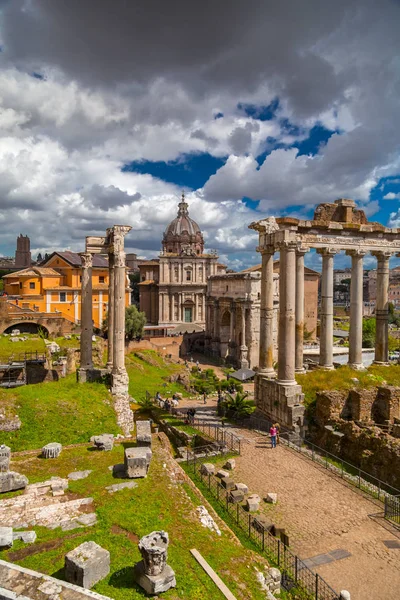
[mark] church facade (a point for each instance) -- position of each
(173, 287)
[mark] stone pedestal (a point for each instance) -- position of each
(137, 462)
(103, 442)
(143, 434)
(280, 403)
(87, 564)
(152, 573)
(52, 450)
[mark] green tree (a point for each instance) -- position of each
(238, 405)
(369, 330)
(134, 322)
(134, 279)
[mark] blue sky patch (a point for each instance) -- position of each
(317, 137)
(261, 113)
(189, 170)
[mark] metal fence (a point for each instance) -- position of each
(295, 575)
(392, 509)
(226, 440)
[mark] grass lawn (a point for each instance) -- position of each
(151, 376)
(319, 380)
(158, 502)
(61, 411)
(10, 350)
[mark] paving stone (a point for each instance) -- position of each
(79, 475)
(236, 496)
(242, 487)
(392, 544)
(228, 483)
(339, 554)
(28, 537)
(271, 498)
(221, 474)
(322, 559)
(230, 464)
(207, 469)
(121, 486)
(6, 537)
(87, 519)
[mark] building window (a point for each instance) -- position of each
(101, 278)
(80, 278)
(188, 276)
(31, 285)
(20, 285)
(63, 296)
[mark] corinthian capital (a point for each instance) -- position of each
(87, 260)
(356, 252)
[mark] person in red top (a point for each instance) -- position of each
(273, 432)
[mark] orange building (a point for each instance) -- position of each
(55, 287)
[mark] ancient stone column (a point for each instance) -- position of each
(299, 316)
(86, 312)
(120, 378)
(356, 308)
(110, 326)
(287, 299)
(326, 333)
(244, 363)
(382, 308)
(266, 356)
(216, 320)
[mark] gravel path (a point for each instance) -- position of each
(321, 514)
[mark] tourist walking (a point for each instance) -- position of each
(204, 398)
(273, 432)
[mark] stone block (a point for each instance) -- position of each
(6, 537)
(230, 464)
(271, 498)
(207, 469)
(78, 475)
(252, 505)
(242, 487)
(52, 450)
(5, 455)
(11, 481)
(121, 486)
(154, 584)
(228, 483)
(273, 580)
(143, 434)
(28, 537)
(221, 474)
(261, 523)
(137, 462)
(105, 441)
(87, 564)
(236, 496)
(255, 498)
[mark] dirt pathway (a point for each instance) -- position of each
(321, 514)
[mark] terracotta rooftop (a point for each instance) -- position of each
(34, 272)
(75, 260)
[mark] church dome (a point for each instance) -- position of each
(183, 232)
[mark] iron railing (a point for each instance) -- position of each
(295, 574)
(392, 509)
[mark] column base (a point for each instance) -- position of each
(357, 366)
(326, 367)
(300, 371)
(381, 363)
(286, 381)
(267, 373)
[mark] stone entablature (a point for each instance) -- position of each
(351, 233)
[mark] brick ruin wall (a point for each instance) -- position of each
(356, 414)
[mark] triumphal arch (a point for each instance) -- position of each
(335, 228)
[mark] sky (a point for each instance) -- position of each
(110, 108)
